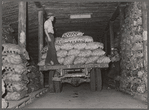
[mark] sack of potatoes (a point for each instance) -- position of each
(72, 34)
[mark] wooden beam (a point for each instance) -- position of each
(40, 33)
(113, 17)
(106, 42)
(121, 11)
(22, 24)
(144, 21)
(115, 14)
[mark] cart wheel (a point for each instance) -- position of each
(57, 86)
(98, 79)
(92, 80)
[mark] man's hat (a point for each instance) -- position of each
(49, 15)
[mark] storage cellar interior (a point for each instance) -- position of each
(101, 48)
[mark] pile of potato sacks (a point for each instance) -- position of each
(4, 102)
(134, 76)
(76, 48)
(14, 62)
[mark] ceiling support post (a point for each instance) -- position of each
(22, 24)
(40, 33)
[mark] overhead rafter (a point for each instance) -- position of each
(22, 24)
(115, 14)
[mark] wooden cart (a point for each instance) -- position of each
(75, 75)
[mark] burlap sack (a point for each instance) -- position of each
(4, 103)
(73, 40)
(103, 59)
(19, 69)
(10, 48)
(5, 60)
(72, 34)
(141, 88)
(69, 60)
(33, 87)
(14, 59)
(15, 96)
(66, 46)
(87, 39)
(3, 87)
(41, 63)
(98, 52)
(14, 77)
(60, 60)
(57, 47)
(91, 59)
(137, 46)
(14, 49)
(59, 40)
(43, 56)
(16, 86)
(5, 49)
(79, 46)
(136, 38)
(44, 50)
(85, 53)
(61, 53)
(94, 45)
(80, 60)
(74, 52)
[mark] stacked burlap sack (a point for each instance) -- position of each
(4, 102)
(75, 48)
(35, 79)
(14, 60)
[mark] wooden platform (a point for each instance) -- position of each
(49, 67)
(27, 100)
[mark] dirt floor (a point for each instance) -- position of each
(82, 97)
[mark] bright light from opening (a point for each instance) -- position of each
(78, 16)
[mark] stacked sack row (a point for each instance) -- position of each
(75, 48)
(4, 102)
(7, 37)
(14, 62)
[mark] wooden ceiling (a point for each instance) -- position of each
(101, 13)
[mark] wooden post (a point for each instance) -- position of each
(111, 36)
(121, 11)
(40, 33)
(51, 86)
(106, 42)
(144, 21)
(22, 24)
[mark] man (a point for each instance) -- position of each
(51, 58)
